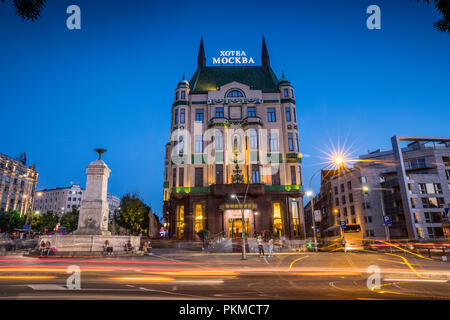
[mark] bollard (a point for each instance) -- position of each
(429, 253)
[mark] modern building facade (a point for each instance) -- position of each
(234, 131)
(62, 200)
(17, 184)
(409, 184)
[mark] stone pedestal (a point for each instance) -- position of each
(94, 212)
(93, 243)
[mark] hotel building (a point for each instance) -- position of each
(234, 131)
(17, 184)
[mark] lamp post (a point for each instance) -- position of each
(244, 254)
(310, 195)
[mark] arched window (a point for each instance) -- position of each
(234, 94)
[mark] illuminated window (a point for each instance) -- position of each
(295, 218)
(234, 93)
(180, 221)
(277, 222)
(198, 218)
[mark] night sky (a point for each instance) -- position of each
(65, 92)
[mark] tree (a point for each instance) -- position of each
(133, 214)
(203, 235)
(11, 220)
(70, 219)
(28, 9)
(46, 221)
(443, 7)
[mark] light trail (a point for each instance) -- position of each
(27, 277)
(410, 252)
(296, 261)
(143, 279)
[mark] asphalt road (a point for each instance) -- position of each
(169, 275)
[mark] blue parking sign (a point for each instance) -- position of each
(387, 221)
(343, 224)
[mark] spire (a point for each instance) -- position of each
(201, 55)
(265, 61)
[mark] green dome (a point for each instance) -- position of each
(183, 83)
(284, 82)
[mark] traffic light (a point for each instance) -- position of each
(309, 244)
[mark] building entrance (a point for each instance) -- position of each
(235, 227)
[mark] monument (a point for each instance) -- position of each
(92, 231)
(94, 213)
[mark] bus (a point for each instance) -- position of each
(352, 234)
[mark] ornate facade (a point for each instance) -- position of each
(234, 131)
(17, 184)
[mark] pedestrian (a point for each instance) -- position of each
(42, 248)
(265, 235)
(48, 248)
(270, 247)
(343, 244)
(260, 246)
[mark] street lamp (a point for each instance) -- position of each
(244, 254)
(309, 193)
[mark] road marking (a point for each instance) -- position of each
(290, 267)
(47, 287)
(408, 264)
(200, 282)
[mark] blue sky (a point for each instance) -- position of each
(64, 92)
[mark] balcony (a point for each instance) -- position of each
(213, 122)
(252, 121)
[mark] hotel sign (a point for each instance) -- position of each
(233, 57)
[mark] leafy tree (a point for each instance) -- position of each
(28, 9)
(11, 220)
(443, 7)
(70, 219)
(203, 235)
(133, 214)
(44, 221)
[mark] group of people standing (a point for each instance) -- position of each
(260, 241)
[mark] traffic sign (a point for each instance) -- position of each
(343, 224)
(387, 221)
(446, 210)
